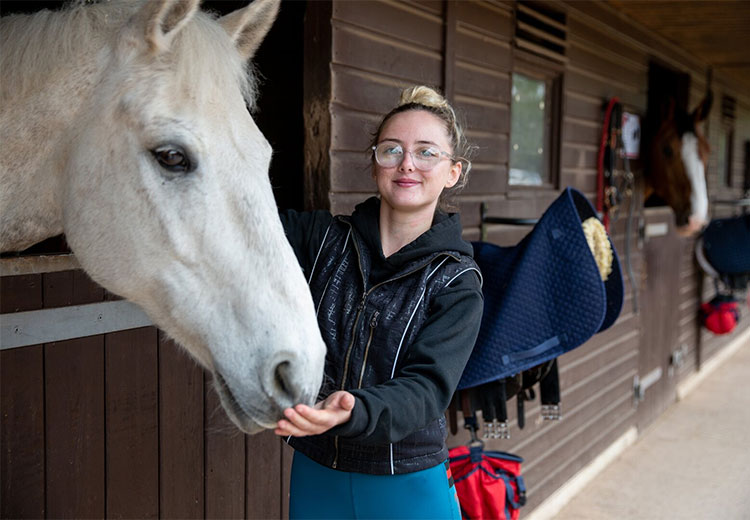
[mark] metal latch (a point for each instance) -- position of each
(640, 385)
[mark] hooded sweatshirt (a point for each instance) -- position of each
(430, 365)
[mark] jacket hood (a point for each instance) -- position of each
(444, 235)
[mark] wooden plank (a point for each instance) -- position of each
(264, 469)
(74, 386)
(393, 20)
(578, 156)
(22, 405)
(491, 148)
(74, 375)
(581, 131)
(589, 56)
(22, 433)
(365, 51)
(546, 479)
(351, 172)
(566, 439)
(70, 288)
(351, 131)
(483, 51)
(486, 179)
(471, 80)
(584, 107)
(20, 293)
(181, 448)
(225, 461)
(132, 424)
(594, 84)
(363, 91)
(485, 19)
(37, 264)
(488, 117)
(287, 454)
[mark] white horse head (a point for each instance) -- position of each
(125, 125)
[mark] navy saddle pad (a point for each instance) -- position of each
(543, 296)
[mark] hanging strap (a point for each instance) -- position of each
(603, 145)
(549, 391)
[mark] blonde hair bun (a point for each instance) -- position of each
(423, 95)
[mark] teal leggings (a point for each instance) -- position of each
(320, 492)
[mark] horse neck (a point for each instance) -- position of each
(36, 124)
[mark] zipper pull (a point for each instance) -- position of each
(374, 319)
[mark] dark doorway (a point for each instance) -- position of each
(665, 86)
(278, 113)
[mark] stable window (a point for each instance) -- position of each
(536, 86)
(532, 129)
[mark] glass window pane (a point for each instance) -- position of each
(528, 146)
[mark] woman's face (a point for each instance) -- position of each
(405, 188)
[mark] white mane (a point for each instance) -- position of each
(58, 38)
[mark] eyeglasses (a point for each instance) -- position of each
(389, 154)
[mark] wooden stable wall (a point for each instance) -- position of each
(122, 425)
(467, 49)
(125, 425)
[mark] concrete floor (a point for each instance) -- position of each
(692, 463)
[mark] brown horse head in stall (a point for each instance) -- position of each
(676, 165)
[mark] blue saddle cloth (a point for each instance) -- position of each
(726, 244)
(543, 296)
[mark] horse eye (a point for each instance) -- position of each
(173, 159)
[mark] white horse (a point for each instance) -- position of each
(125, 126)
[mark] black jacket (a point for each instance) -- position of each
(399, 332)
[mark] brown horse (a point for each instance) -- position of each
(675, 167)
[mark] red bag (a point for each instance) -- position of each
(489, 483)
(720, 315)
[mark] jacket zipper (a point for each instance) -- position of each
(373, 323)
(361, 307)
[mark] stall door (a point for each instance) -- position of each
(654, 388)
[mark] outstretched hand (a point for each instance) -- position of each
(305, 420)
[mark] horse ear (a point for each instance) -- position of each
(701, 111)
(163, 20)
(248, 26)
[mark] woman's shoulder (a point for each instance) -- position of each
(306, 221)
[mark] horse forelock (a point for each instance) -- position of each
(206, 63)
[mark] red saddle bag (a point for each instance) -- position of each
(489, 483)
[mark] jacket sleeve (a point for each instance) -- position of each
(305, 231)
(423, 387)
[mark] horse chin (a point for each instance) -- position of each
(250, 422)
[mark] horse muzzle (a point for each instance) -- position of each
(284, 383)
(692, 228)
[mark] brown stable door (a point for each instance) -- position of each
(654, 387)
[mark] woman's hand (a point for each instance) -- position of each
(304, 420)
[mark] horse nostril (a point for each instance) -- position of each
(281, 380)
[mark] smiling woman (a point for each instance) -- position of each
(399, 303)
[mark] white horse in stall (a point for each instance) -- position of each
(125, 126)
